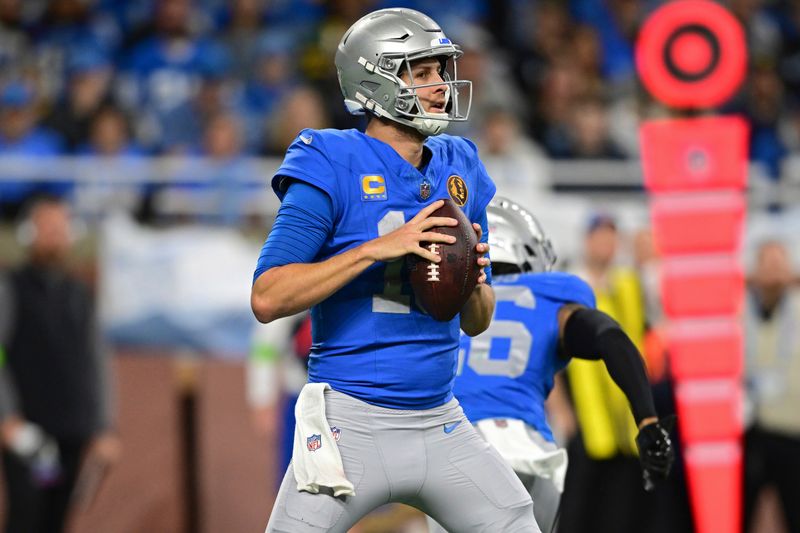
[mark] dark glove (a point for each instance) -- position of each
(39, 451)
(655, 451)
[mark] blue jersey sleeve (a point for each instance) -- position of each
(485, 187)
(483, 220)
(304, 221)
(563, 287)
(307, 160)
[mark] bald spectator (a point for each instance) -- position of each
(54, 409)
(772, 443)
(515, 162)
(300, 108)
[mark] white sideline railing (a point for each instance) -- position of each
(98, 178)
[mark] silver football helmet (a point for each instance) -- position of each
(369, 60)
(517, 242)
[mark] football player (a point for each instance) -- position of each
(378, 422)
(506, 373)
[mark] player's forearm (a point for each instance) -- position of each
(476, 315)
(591, 334)
(288, 289)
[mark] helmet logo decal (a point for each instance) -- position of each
(457, 189)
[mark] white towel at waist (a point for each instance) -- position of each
(315, 456)
(512, 439)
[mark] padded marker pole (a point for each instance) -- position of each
(691, 55)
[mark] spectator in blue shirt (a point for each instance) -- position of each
(88, 88)
(273, 75)
(21, 136)
(164, 71)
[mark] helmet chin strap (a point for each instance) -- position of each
(430, 123)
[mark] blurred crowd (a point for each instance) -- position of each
(227, 79)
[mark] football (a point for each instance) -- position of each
(441, 289)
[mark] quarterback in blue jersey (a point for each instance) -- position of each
(377, 422)
(506, 373)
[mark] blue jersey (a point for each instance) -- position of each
(507, 371)
(370, 339)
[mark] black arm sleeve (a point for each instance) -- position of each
(592, 334)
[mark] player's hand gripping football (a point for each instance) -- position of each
(482, 249)
(407, 238)
(655, 451)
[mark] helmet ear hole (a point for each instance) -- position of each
(371, 86)
(501, 269)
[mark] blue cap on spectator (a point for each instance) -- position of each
(16, 94)
(86, 59)
(215, 64)
(601, 220)
(275, 42)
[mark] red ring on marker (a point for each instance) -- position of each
(691, 53)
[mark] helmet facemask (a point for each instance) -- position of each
(457, 98)
(405, 105)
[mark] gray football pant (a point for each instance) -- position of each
(403, 456)
(544, 493)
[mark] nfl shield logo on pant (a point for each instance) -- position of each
(314, 443)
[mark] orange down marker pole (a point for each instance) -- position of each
(691, 55)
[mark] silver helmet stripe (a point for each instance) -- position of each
(516, 238)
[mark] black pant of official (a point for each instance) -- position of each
(32, 509)
(771, 458)
(608, 497)
(602, 496)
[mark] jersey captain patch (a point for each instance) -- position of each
(373, 188)
(457, 189)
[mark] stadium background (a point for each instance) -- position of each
(162, 121)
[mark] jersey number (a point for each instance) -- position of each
(391, 300)
(509, 358)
